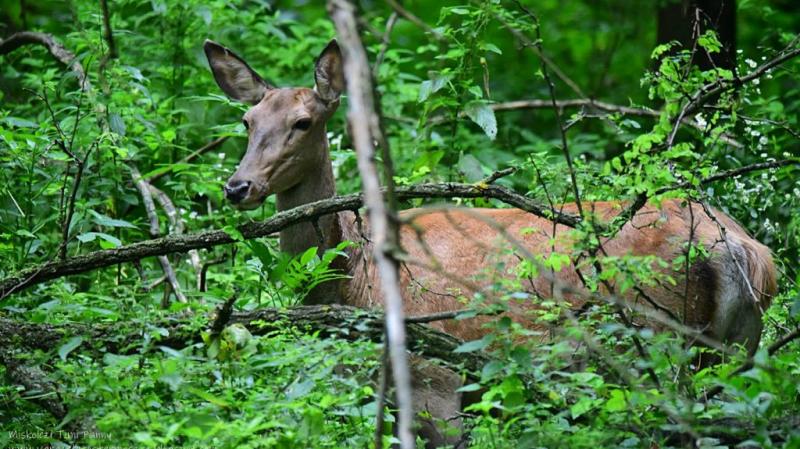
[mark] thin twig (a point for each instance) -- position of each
(544, 58)
(497, 175)
(441, 316)
(711, 90)
(73, 196)
(398, 8)
(201, 286)
(383, 388)
(387, 35)
(552, 89)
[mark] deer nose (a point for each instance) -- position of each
(236, 191)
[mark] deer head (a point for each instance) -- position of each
(285, 127)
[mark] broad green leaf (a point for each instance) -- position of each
(483, 115)
(104, 220)
(429, 87)
(471, 167)
(469, 387)
(617, 401)
(308, 256)
(69, 346)
(208, 397)
(116, 124)
(474, 345)
(91, 236)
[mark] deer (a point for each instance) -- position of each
(722, 295)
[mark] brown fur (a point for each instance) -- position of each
(463, 244)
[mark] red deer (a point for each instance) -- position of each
(287, 155)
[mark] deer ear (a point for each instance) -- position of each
(233, 75)
(329, 73)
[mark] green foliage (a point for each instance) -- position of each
(581, 383)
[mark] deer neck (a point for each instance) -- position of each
(318, 185)
(329, 232)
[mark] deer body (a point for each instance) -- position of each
(452, 254)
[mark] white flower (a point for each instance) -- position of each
(193, 215)
(756, 82)
(701, 121)
(751, 63)
(221, 155)
(763, 140)
(755, 133)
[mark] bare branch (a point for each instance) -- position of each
(178, 227)
(365, 125)
(56, 49)
(73, 196)
(150, 208)
(390, 23)
(406, 14)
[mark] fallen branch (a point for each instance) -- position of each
(344, 322)
(306, 213)
(38, 388)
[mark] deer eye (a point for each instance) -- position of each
(302, 124)
(246, 124)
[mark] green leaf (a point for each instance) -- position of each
(429, 87)
(116, 124)
(617, 401)
(491, 368)
(208, 397)
(104, 220)
(19, 122)
(492, 47)
(483, 115)
(308, 256)
(68, 347)
(471, 167)
(469, 387)
(92, 236)
(583, 405)
(233, 232)
(474, 345)
(237, 334)
(261, 251)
